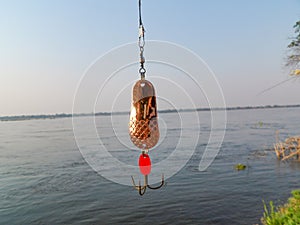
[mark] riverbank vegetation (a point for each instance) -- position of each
(287, 214)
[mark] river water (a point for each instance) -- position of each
(44, 179)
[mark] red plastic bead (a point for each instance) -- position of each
(145, 164)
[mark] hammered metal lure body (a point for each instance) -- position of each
(143, 124)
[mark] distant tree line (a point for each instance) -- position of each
(63, 115)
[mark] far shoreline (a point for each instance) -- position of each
(65, 115)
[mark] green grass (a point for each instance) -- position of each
(288, 214)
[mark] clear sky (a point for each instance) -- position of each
(46, 45)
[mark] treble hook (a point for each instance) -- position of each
(142, 189)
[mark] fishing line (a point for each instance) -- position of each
(274, 86)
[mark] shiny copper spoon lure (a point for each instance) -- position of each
(143, 124)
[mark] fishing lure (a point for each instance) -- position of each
(143, 123)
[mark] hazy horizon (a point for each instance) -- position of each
(159, 110)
